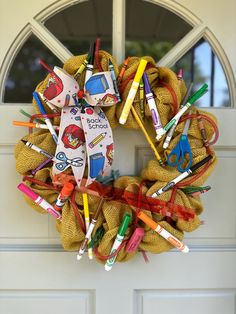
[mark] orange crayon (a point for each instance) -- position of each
(122, 71)
(163, 232)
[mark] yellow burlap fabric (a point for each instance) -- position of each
(155, 175)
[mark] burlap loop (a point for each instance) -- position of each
(168, 92)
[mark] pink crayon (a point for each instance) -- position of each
(39, 200)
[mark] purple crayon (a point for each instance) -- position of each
(152, 105)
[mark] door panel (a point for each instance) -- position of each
(37, 275)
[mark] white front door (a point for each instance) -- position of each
(37, 276)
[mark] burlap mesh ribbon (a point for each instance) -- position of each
(168, 93)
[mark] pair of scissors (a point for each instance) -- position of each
(181, 155)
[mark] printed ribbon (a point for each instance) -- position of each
(85, 135)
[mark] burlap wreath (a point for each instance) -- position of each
(168, 93)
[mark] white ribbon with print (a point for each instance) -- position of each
(84, 131)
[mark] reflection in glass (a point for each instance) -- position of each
(26, 72)
(200, 65)
(152, 30)
(78, 25)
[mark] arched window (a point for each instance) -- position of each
(134, 27)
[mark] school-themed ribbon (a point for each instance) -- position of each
(85, 134)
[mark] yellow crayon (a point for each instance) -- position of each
(81, 68)
(141, 96)
(133, 91)
(87, 220)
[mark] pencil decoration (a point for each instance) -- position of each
(87, 221)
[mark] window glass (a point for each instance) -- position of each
(26, 72)
(152, 30)
(200, 65)
(78, 25)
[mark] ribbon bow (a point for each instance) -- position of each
(85, 136)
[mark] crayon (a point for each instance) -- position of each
(111, 68)
(63, 196)
(34, 125)
(97, 140)
(119, 238)
(122, 71)
(192, 99)
(41, 166)
(87, 221)
(82, 67)
(90, 229)
(198, 193)
(51, 106)
(141, 97)
(39, 200)
(89, 67)
(48, 121)
(152, 105)
(182, 176)
(163, 232)
(147, 136)
(132, 91)
(37, 149)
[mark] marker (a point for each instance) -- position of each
(122, 71)
(152, 105)
(37, 149)
(39, 200)
(82, 67)
(119, 238)
(132, 92)
(182, 176)
(163, 232)
(97, 139)
(63, 196)
(89, 67)
(87, 221)
(141, 97)
(111, 68)
(34, 125)
(192, 99)
(90, 229)
(48, 121)
(172, 129)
